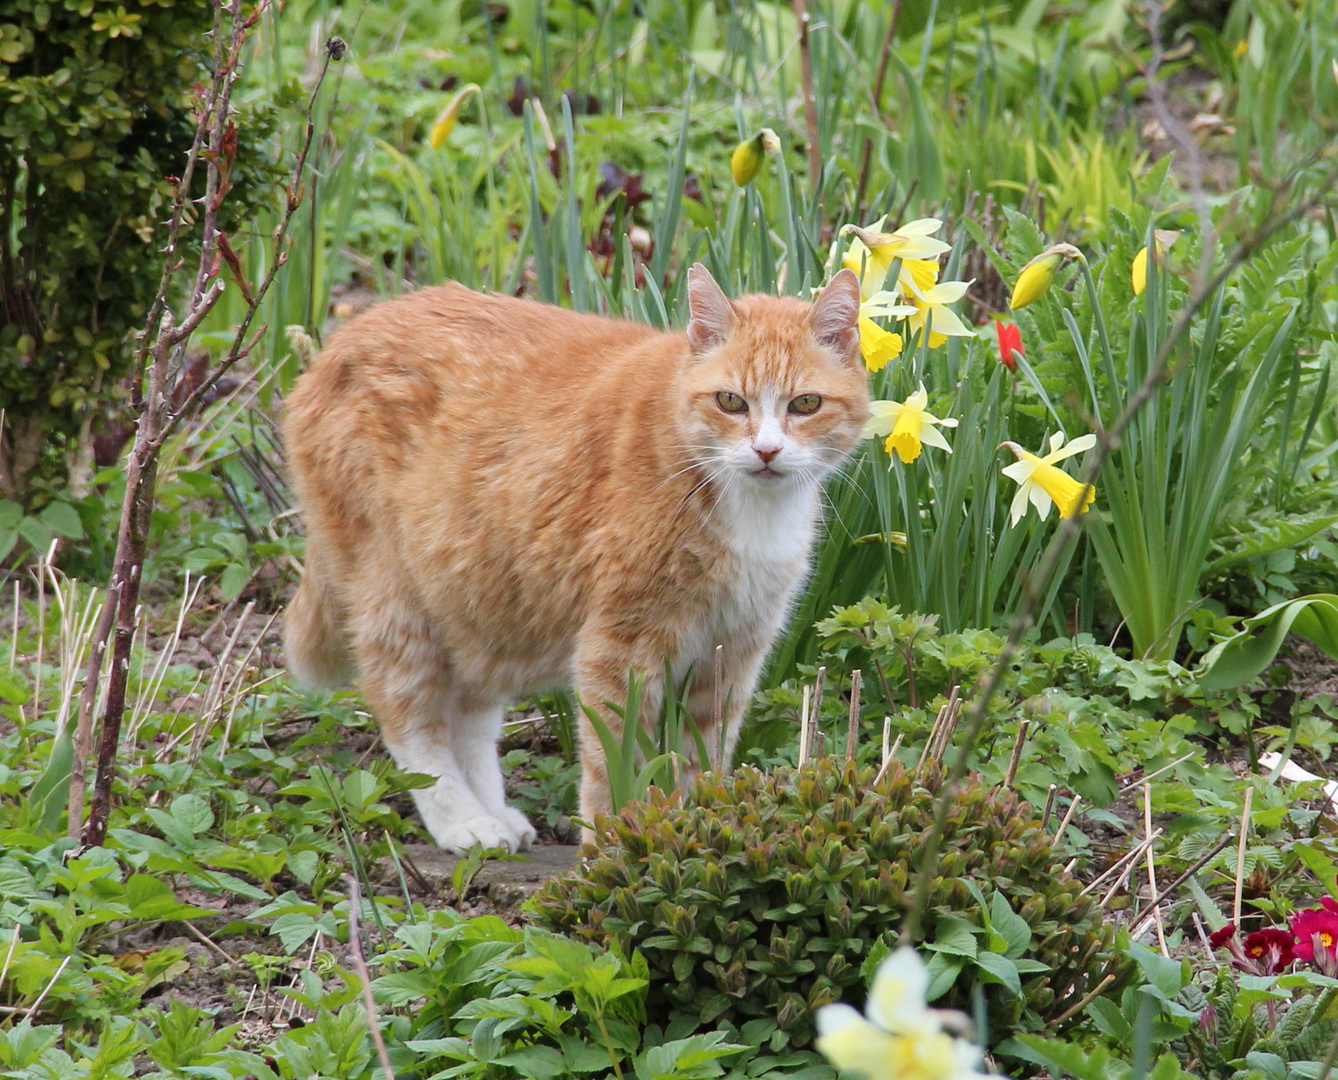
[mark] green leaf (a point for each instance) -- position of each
(1321, 864)
(1165, 975)
(63, 519)
(540, 1062)
(1011, 926)
(1242, 657)
(50, 795)
(193, 812)
(233, 580)
(942, 974)
(1002, 969)
(37, 534)
(303, 865)
(1272, 535)
(14, 687)
(954, 936)
(153, 900)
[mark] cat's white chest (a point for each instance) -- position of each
(769, 535)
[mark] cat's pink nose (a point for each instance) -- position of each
(766, 453)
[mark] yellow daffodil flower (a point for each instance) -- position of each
(445, 123)
(877, 345)
(1138, 270)
(872, 252)
(746, 161)
(1044, 484)
(1036, 276)
(898, 1038)
(932, 314)
(907, 426)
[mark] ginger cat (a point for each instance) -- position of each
(502, 496)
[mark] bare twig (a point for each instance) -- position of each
(852, 726)
(42, 996)
(1123, 862)
(162, 345)
(1064, 821)
(355, 946)
(803, 726)
(884, 55)
(1155, 898)
(1083, 1002)
(205, 939)
(1016, 757)
(1165, 768)
(1240, 854)
(9, 956)
(1049, 805)
(1170, 890)
(810, 103)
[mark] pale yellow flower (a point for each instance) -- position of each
(898, 1038)
(1044, 484)
(907, 425)
(932, 314)
(445, 123)
(1037, 275)
(746, 161)
(1138, 270)
(872, 252)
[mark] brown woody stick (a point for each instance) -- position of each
(810, 103)
(884, 55)
(163, 346)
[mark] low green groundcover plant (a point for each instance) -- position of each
(766, 896)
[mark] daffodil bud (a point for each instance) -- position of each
(748, 156)
(441, 130)
(1036, 276)
(1138, 269)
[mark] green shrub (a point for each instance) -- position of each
(96, 113)
(768, 895)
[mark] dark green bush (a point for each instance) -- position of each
(96, 113)
(767, 894)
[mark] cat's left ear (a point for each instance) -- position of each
(834, 316)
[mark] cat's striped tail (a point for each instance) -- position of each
(314, 639)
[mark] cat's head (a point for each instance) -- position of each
(775, 389)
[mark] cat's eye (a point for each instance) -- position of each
(806, 403)
(731, 402)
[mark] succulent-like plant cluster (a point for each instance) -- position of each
(765, 894)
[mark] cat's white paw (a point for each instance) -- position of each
(459, 836)
(521, 829)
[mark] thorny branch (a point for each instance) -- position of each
(162, 347)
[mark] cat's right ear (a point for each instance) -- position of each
(711, 316)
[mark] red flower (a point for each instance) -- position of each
(1264, 952)
(1010, 341)
(1271, 949)
(1316, 931)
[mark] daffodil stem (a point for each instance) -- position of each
(1098, 316)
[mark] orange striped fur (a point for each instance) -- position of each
(502, 496)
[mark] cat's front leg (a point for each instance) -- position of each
(604, 663)
(431, 725)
